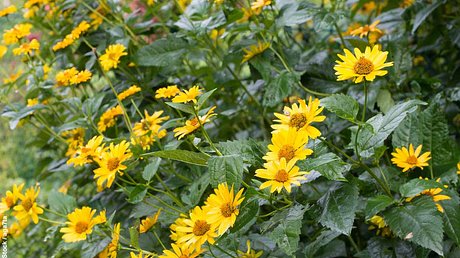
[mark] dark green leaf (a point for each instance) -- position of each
(226, 169)
(279, 88)
(163, 52)
(137, 194)
(182, 107)
(385, 101)
(342, 105)
(61, 203)
(248, 213)
(189, 157)
(329, 165)
(204, 97)
(424, 13)
(92, 249)
(416, 186)
(151, 169)
(377, 204)
(323, 239)
(250, 150)
(451, 217)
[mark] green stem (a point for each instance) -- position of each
(159, 240)
(340, 34)
(205, 133)
(53, 212)
(51, 221)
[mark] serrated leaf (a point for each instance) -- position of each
(134, 237)
(424, 13)
(420, 220)
(182, 107)
(137, 194)
(226, 169)
(289, 14)
(151, 169)
(451, 218)
(416, 186)
(16, 116)
(342, 105)
(92, 249)
(329, 165)
(163, 52)
(204, 97)
(377, 204)
(279, 88)
(250, 150)
(323, 239)
(384, 100)
(61, 203)
(197, 188)
(185, 156)
(248, 212)
(339, 208)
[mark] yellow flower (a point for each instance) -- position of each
(215, 34)
(351, 28)
(364, 30)
(249, 253)
(74, 35)
(112, 248)
(8, 10)
(67, 41)
(85, 154)
(112, 56)
(13, 77)
(362, 66)
(149, 222)
(28, 208)
(18, 227)
(198, 230)
(19, 31)
(46, 70)
(188, 95)
(458, 168)
(435, 195)
(183, 4)
(179, 222)
(378, 223)
(82, 76)
(63, 78)
(130, 91)
(288, 144)
(257, 5)
(223, 207)
(167, 92)
(148, 128)
(247, 14)
(111, 162)
(75, 138)
(27, 48)
(108, 118)
(181, 251)
(32, 102)
(408, 159)
(81, 223)
(254, 50)
(300, 117)
(3, 50)
(281, 174)
(193, 124)
(11, 198)
(406, 3)
(65, 187)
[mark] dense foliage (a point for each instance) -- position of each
(231, 128)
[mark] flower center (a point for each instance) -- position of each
(200, 228)
(145, 125)
(298, 120)
(85, 149)
(81, 227)
(184, 256)
(27, 204)
(194, 121)
(363, 66)
(282, 176)
(113, 57)
(9, 201)
(412, 160)
(113, 163)
(287, 152)
(227, 209)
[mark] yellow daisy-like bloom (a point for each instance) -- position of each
(81, 223)
(408, 159)
(112, 248)
(3, 50)
(254, 50)
(247, 14)
(32, 102)
(16, 229)
(65, 187)
(149, 222)
(435, 195)
(257, 5)
(366, 29)
(198, 230)
(179, 222)
(362, 66)
(8, 10)
(193, 124)
(27, 48)
(379, 224)
(13, 77)
(187, 95)
(223, 207)
(181, 251)
(150, 123)
(111, 162)
(300, 117)
(351, 28)
(107, 119)
(458, 168)
(18, 32)
(67, 41)
(167, 92)
(112, 56)
(63, 78)
(130, 91)
(80, 29)
(74, 35)
(249, 253)
(28, 208)
(281, 175)
(288, 144)
(11, 198)
(85, 154)
(82, 76)
(75, 138)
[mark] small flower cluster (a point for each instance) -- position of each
(72, 76)
(289, 140)
(74, 35)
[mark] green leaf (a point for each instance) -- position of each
(248, 213)
(323, 239)
(196, 190)
(151, 169)
(286, 234)
(279, 88)
(163, 52)
(187, 108)
(418, 222)
(385, 101)
(342, 105)
(61, 203)
(226, 169)
(424, 13)
(339, 207)
(204, 97)
(17, 116)
(134, 237)
(92, 249)
(377, 204)
(382, 126)
(416, 186)
(137, 194)
(451, 218)
(329, 165)
(289, 14)
(190, 157)
(250, 150)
